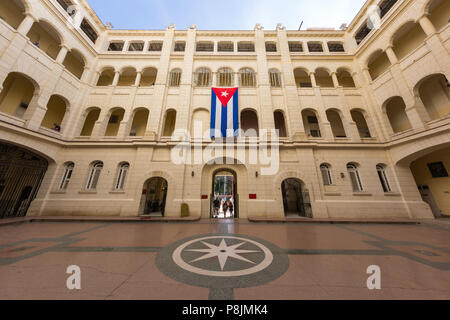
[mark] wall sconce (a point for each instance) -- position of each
(256, 174)
(193, 173)
(342, 175)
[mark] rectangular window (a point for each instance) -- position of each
(271, 47)
(246, 47)
(155, 46)
(305, 85)
(136, 46)
(115, 46)
(385, 6)
(67, 4)
(205, 47)
(180, 46)
(437, 170)
(335, 47)
(295, 47)
(225, 47)
(362, 33)
(315, 47)
(88, 30)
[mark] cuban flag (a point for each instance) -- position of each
(224, 112)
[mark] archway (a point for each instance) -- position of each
(435, 95)
(296, 200)
(431, 173)
(395, 109)
(154, 197)
(13, 12)
(224, 199)
(18, 91)
(56, 110)
(21, 174)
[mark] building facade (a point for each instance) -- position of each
(88, 114)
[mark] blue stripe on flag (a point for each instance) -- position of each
(224, 121)
(213, 113)
(236, 113)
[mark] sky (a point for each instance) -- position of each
(225, 14)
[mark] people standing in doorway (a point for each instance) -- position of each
(225, 208)
(216, 207)
(230, 207)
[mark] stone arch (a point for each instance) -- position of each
(88, 119)
(433, 91)
(19, 90)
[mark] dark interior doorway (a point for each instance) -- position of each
(155, 196)
(296, 200)
(21, 174)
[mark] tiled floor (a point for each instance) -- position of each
(310, 261)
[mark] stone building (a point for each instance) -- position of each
(88, 113)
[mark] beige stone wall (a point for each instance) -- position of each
(408, 61)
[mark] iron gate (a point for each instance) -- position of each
(21, 174)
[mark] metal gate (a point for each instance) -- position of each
(21, 174)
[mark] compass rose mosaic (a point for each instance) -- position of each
(223, 261)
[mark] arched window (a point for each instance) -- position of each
(175, 78)
(326, 174)
(202, 77)
(275, 78)
(94, 175)
(68, 170)
(121, 176)
(381, 170)
(247, 78)
(225, 77)
(355, 177)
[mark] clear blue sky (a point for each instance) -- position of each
(225, 14)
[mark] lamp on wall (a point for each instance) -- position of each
(193, 173)
(256, 174)
(342, 175)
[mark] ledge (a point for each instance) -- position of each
(362, 194)
(117, 192)
(392, 194)
(87, 192)
(332, 194)
(58, 192)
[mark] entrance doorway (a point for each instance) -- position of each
(427, 197)
(21, 174)
(224, 198)
(296, 201)
(155, 192)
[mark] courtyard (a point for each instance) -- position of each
(224, 260)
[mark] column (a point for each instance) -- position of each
(85, 75)
(312, 75)
(294, 117)
(335, 79)
(160, 87)
(434, 41)
(26, 24)
(138, 79)
(116, 78)
(36, 111)
(391, 55)
(427, 25)
(62, 54)
(265, 110)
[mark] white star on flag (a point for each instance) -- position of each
(225, 94)
(222, 252)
